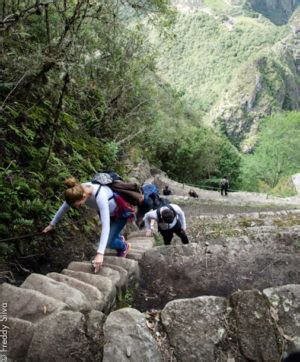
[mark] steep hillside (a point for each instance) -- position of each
(232, 65)
(278, 12)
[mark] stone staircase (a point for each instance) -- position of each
(74, 316)
(57, 309)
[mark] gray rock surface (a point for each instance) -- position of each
(256, 331)
(195, 326)
(103, 284)
(172, 272)
(94, 326)
(286, 302)
(86, 267)
(29, 304)
(20, 334)
(131, 266)
(60, 291)
(127, 337)
(92, 294)
(62, 337)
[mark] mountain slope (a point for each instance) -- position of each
(231, 65)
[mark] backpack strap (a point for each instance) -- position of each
(97, 192)
(159, 217)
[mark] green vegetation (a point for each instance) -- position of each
(276, 156)
(75, 91)
(206, 52)
(125, 299)
(197, 156)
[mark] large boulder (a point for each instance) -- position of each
(256, 331)
(127, 337)
(172, 272)
(195, 327)
(63, 337)
(286, 302)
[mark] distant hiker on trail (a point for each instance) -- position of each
(224, 185)
(194, 194)
(167, 191)
(170, 219)
(113, 210)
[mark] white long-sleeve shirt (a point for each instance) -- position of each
(152, 215)
(103, 204)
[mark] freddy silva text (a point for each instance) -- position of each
(3, 332)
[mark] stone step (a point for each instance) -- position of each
(138, 247)
(132, 266)
(133, 254)
(122, 272)
(57, 290)
(142, 243)
(103, 284)
(28, 304)
(92, 294)
(87, 267)
(137, 234)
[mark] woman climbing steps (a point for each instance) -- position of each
(113, 210)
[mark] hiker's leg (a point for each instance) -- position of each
(181, 233)
(222, 191)
(226, 189)
(167, 236)
(115, 241)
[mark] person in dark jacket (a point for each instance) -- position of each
(224, 185)
(167, 191)
(193, 193)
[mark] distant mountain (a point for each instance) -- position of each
(233, 65)
(278, 11)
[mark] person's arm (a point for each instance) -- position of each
(181, 216)
(63, 209)
(151, 215)
(103, 206)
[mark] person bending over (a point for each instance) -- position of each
(113, 211)
(170, 219)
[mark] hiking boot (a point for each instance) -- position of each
(124, 252)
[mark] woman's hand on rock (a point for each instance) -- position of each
(97, 262)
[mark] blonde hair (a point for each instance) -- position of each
(74, 192)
